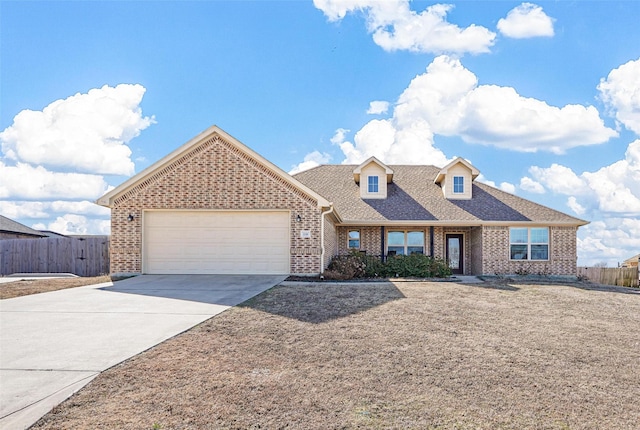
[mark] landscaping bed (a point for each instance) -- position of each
(385, 355)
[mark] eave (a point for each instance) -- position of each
(458, 223)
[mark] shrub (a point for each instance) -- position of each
(358, 265)
(347, 266)
(416, 265)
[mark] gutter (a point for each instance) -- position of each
(322, 236)
(460, 223)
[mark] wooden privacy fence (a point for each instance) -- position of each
(85, 256)
(621, 276)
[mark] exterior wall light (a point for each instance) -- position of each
(130, 217)
(298, 218)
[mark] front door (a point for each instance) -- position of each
(455, 253)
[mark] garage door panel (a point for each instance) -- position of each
(216, 242)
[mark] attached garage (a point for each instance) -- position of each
(214, 206)
(216, 242)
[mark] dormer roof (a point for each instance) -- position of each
(388, 171)
(443, 172)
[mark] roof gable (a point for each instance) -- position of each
(458, 161)
(358, 170)
(192, 147)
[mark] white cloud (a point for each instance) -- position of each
(528, 184)
(85, 132)
(612, 240)
(15, 210)
(79, 207)
(396, 27)
(378, 107)
(311, 160)
(620, 91)
(25, 209)
(76, 224)
(393, 143)
(612, 189)
(526, 20)
(339, 136)
(447, 100)
(560, 179)
(576, 207)
(504, 186)
(45, 185)
(450, 100)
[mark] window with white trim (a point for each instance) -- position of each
(529, 243)
(372, 182)
(354, 239)
(458, 184)
(405, 242)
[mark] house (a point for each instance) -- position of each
(216, 206)
(10, 229)
(631, 262)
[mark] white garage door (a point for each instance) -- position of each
(216, 242)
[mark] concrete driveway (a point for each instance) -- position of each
(52, 344)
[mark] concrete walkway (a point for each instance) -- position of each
(467, 279)
(53, 344)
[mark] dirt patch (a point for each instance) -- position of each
(386, 355)
(35, 286)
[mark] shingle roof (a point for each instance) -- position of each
(12, 226)
(413, 196)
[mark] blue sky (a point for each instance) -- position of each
(542, 97)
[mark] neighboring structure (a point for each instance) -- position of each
(10, 229)
(215, 206)
(631, 262)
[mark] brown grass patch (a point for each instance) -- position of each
(35, 286)
(403, 355)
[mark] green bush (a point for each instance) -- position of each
(359, 265)
(416, 266)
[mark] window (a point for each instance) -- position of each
(373, 184)
(405, 242)
(458, 184)
(529, 243)
(354, 239)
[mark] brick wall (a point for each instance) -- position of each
(562, 253)
(476, 249)
(214, 175)
(330, 240)
(369, 239)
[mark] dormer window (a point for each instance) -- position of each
(456, 179)
(458, 184)
(375, 177)
(372, 184)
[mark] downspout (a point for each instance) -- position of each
(322, 236)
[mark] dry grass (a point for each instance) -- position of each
(34, 286)
(404, 355)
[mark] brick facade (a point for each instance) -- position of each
(330, 240)
(214, 175)
(562, 253)
(486, 248)
(369, 240)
